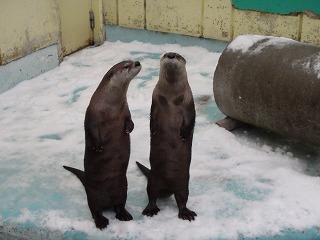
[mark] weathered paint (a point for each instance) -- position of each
(217, 19)
(278, 6)
(178, 16)
(252, 22)
(310, 29)
(110, 11)
(131, 13)
(75, 34)
(27, 26)
(99, 34)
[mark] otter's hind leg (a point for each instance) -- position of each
(96, 211)
(184, 213)
(153, 192)
(100, 221)
(121, 213)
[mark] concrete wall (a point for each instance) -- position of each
(216, 19)
(27, 26)
(56, 28)
(36, 34)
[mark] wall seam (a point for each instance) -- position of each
(300, 26)
(145, 14)
(202, 19)
(232, 21)
(117, 12)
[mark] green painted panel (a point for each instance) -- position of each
(278, 6)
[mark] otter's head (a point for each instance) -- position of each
(123, 72)
(172, 67)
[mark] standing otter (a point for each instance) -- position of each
(172, 121)
(107, 144)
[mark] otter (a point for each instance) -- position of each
(172, 121)
(107, 127)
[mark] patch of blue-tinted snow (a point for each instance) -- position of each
(246, 190)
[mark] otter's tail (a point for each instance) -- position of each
(77, 172)
(144, 169)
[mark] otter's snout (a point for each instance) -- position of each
(137, 64)
(171, 55)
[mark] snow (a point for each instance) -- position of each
(243, 43)
(310, 64)
(248, 184)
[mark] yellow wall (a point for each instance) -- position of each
(310, 28)
(216, 19)
(131, 13)
(27, 26)
(110, 11)
(169, 16)
(75, 25)
(99, 34)
(265, 24)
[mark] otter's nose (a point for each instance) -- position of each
(137, 63)
(171, 55)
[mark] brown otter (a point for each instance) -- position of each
(172, 121)
(107, 144)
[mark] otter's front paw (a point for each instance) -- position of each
(185, 133)
(129, 126)
(98, 149)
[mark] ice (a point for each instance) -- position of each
(246, 184)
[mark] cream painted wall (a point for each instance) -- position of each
(110, 11)
(27, 26)
(310, 28)
(178, 16)
(131, 13)
(266, 24)
(99, 33)
(216, 19)
(75, 25)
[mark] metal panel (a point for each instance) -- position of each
(278, 6)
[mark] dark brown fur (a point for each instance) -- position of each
(172, 122)
(107, 150)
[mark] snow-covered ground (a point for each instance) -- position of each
(243, 185)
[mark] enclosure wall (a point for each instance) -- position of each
(216, 19)
(27, 26)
